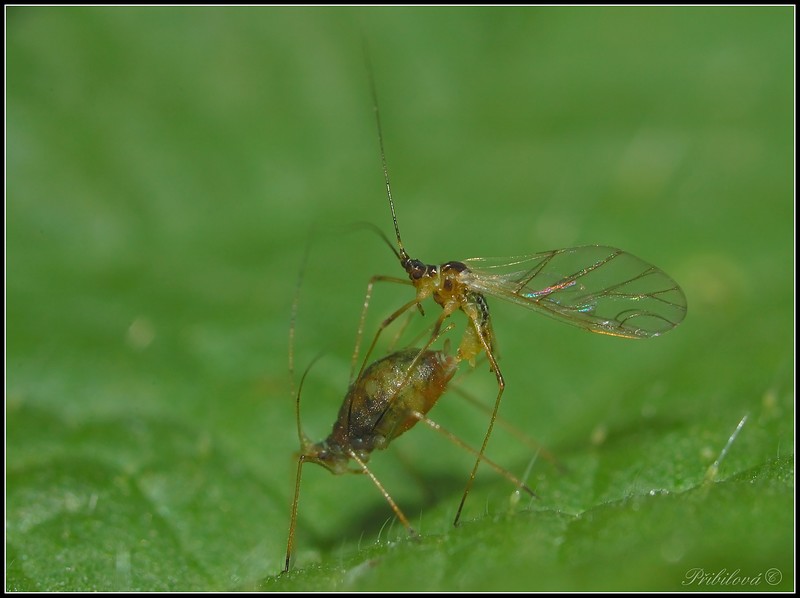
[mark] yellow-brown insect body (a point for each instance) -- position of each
(387, 399)
(444, 283)
(383, 403)
(600, 289)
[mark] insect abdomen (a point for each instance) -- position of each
(386, 394)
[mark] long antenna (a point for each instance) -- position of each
(403, 254)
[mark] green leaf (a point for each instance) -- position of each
(165, 169)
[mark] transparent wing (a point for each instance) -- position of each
(601, 289)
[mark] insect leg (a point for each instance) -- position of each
(398, 334)
(481, 457)
(399, 312)
(501, 384)
(511, 428)
(293, 523)
(436, 333)
(352, 454)
(362, 321)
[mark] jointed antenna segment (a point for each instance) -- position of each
(403, 253)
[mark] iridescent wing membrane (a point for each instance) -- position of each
(602, 289)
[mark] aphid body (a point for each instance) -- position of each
(387, 399)
(383, 403)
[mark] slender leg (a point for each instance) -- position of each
(383, 491)
(511, 428)
(456, 440)
(399, 312)
(293, 523)
(400, 330)
(436, 333)
(501, 386)
(362, 320)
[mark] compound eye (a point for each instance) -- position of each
(416, 269)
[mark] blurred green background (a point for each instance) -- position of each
(165, 167)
